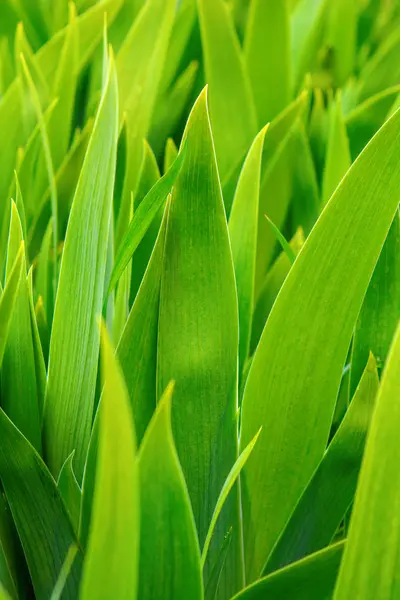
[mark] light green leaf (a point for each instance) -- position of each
(111, 561)
(270, 287)
(18, 376)
(138, 345)
(38, 511)
(382, 70)
(198, 337)
(171, 153)
(331, 489)
(70, 491)
(268, 59)
(310, 579)
(243, 227)
(9, 297)
(71, 383)
(227, 487)
(40, 365)
(286, 247)
(232, 109)
(371, 559)
(338, 159)
(149, 177)
(64, 88)
(89, 34)
(142, 218)
(169, 562)
(139, 66)
(307, 29)
(342, 17)
(294, 398)
(380, 313)
(64, 573)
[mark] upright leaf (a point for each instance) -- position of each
(18, 376)
(331, 489)
(139, 65)
(169, 563)
(110, 568)
(292, 386)
(380, 313)
(74, 342)
(267, 54)
(38, 512)
(338, 159)
(198, 337)
(370, 565)
(138, 344)
(243, 227)
(232, 109)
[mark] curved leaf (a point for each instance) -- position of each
(292, 386)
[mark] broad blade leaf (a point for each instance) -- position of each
(331, 489)
(71, 383)
(243, 228)
(169, 562)
(38, 512)
(371, 559)
(310, 579)
(292, 386)
(110, 568)
(198, 337)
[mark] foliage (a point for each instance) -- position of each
(200, 294)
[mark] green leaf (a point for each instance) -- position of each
(169, 562)
(9, 297)
(138, 344)
(89, 481)
(71, 383)
(382, 70)
(198, 337)
(270, 287)
(40, 365)
(18, 376)
(110, 568)
(171, 153)
(342, 17)
(89, 34)
(286, 247)
(338, 159)
(307, 29)
(305, 201)
(139, 66)
(70, 491)
(38, 512)
(169, 113)
(232, 109)
(142, 218)
(380, 313)
(364, 121)
(227, 487)
(310, 579)
(268, 59)
(294, 398)
(64, 573)
(243, 227)
(64, 88)
(331, 489)
(371, 559)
